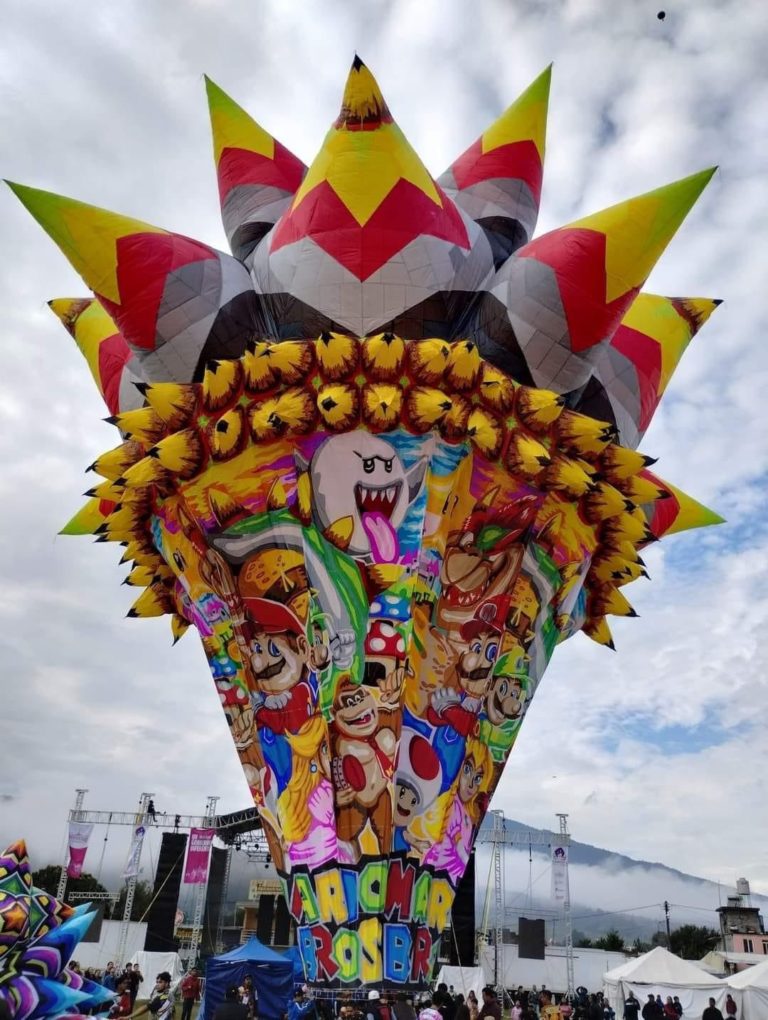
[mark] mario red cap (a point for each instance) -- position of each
(489, 615)
(273, 617)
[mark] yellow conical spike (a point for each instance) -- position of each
(538, 410)
(221, 383)
(228, 434)
(336, 355)
(526, 456)
(607, 600)
(232, 127)
(485, 431)
(148, 471)
(141, 553)
(426, 407)
(89, 518)
(690, 514)
(618, 463)
(383, 356)
(428, 360)
(144, 425)
(339, 405)
(454, 425)
(525, 119)
(140, 576)
(463, 365)
(598, 630)
(86, 234)
(179, 627)
(107, 490)
(173, 402)
(642, 490)
(638, 230)
(181, 454)
(567, 476)
(582, 435)
(113, 463)
(153, 601)
(497, 390)
(603, 501)
(382, 406)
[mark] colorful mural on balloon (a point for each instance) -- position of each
(384, 460)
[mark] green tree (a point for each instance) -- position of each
(47, 878)
(693, 941)
(611, 941)
(638, 946)
(142, 898)
(583, 942)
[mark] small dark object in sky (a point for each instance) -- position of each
(661, 15)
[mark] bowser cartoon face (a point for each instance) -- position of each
(482, 559)
(360, 477)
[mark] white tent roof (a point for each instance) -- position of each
(660, 967)
(753, 977)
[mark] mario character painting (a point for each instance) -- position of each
(460, 708)
(285, 694)
(364, 742)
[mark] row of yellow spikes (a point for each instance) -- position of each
(179, 455)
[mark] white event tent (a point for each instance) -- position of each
(753, 985)
(660, 972)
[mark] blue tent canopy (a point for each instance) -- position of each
(294, 956)
(272, 976)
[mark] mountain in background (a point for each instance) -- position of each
(608, 890)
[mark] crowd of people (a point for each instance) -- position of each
(443, 1003)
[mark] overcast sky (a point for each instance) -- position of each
(659, 750)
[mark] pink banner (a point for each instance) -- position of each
(79, 834)
(196, 871)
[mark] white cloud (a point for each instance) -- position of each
(107, 104)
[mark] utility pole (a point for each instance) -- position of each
(189, 949)
(74, 816)
(666, 915)
(569, 968)
(130, 888)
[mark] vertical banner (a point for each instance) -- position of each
(134, 854)
(79, 834)
(196, 871)
(559, 873)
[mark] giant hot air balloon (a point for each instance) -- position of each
(383, 458)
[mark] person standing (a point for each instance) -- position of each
(301, 1007)
(190, 993)
(491, 1007)
(160, 1003)
(631, 1007)
(122, 1005)
(678, 1005)
(109, 978)
(730, 1007)
(231, 1008)
(711, 1012)
(429, 1010)
(135, 978)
